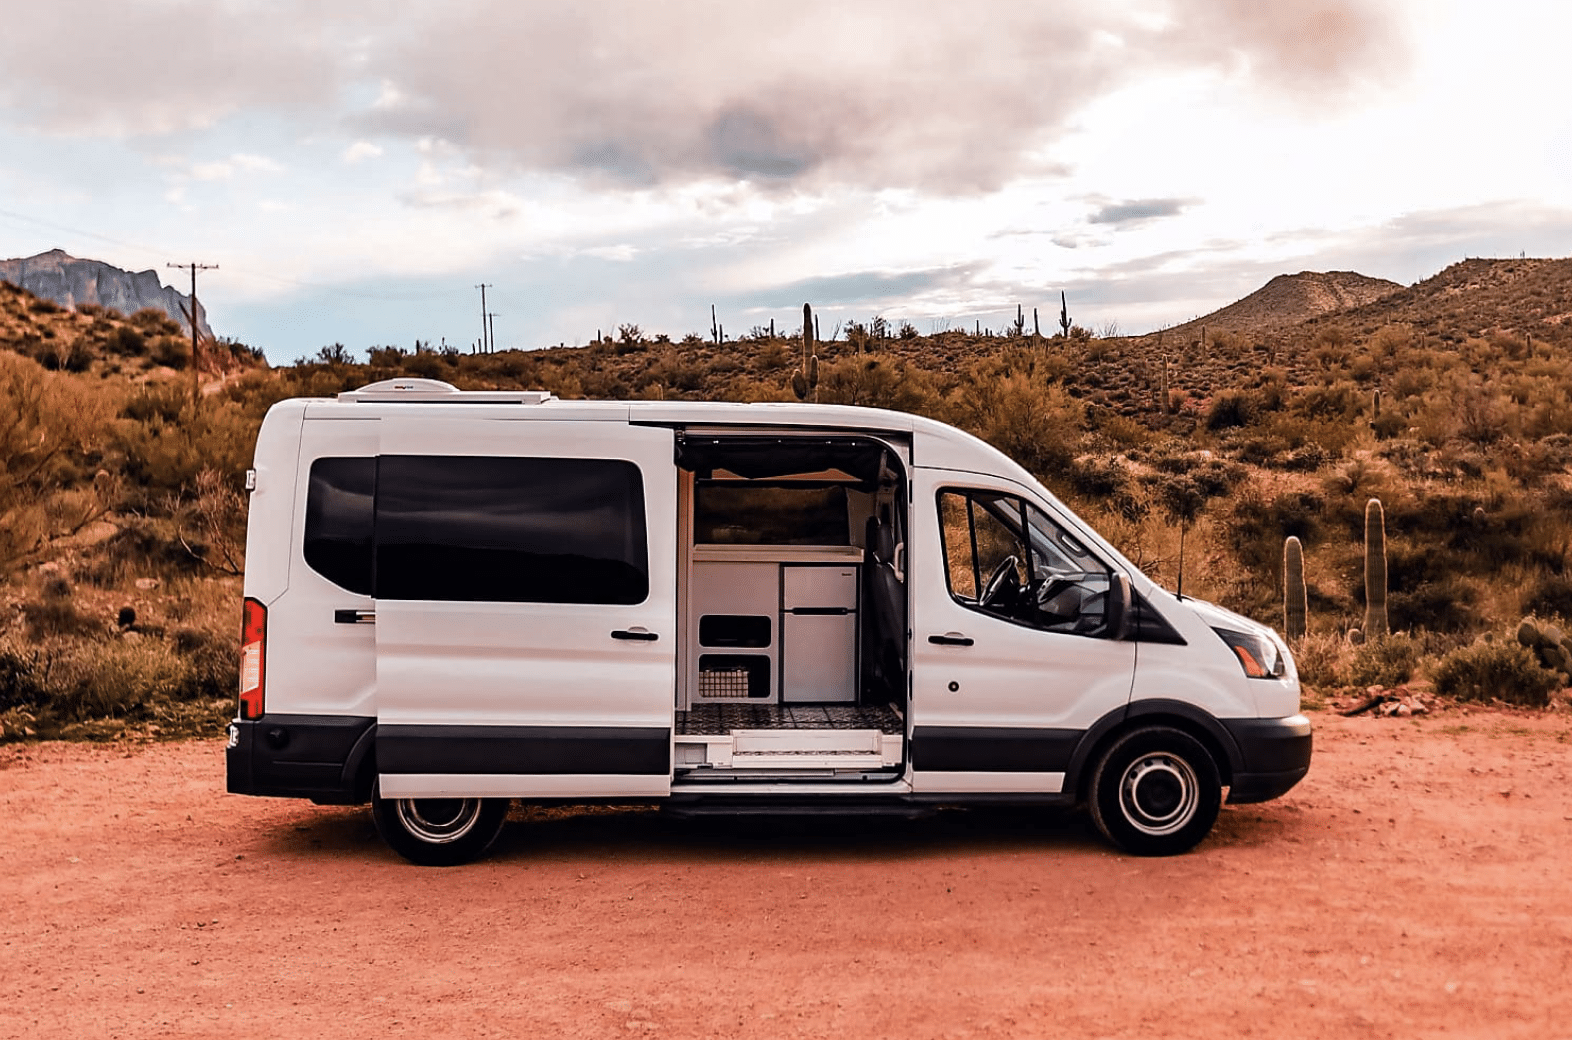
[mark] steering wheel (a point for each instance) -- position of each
(1003, 577)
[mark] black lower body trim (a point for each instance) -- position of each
(1274, 753)
(298, 756)
(988, 749)
(524, 750)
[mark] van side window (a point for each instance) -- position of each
(338, 521)
(1004, 556)
(514, 530)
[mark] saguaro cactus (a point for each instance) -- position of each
(1376, 625)
(1064, 316)
(806, 377)
(1296, 603)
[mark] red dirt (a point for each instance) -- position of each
(1415, 885)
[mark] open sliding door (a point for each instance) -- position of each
(525, 609)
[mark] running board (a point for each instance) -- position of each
(789, 750)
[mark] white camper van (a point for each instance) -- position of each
(455, 599)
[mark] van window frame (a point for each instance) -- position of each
(1076, 551)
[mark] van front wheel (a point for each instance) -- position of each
(1156, 792)
(439, 832)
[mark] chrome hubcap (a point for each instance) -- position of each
(438, 820)
(1159, 793)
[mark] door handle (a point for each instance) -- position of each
(635, 633)
(354, 617)
(951, 639)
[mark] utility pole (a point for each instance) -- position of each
(484, 339)
(492, 315)
(196, 379)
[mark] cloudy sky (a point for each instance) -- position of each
(356, 168)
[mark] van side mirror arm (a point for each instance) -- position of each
(1120, 607)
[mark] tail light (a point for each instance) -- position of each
(253, 657)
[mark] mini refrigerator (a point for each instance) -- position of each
(818, 633)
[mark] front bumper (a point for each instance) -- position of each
(1274, 756)
(300, 756)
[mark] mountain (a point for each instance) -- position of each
(1290, 299)
(71, 282)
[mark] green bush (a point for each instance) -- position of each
(1501, 669)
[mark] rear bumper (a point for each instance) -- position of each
(1274, 756)
(300, 756)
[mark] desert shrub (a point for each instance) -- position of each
(212, 663)
(1033, 421)
(1549, 595)
(154, 322)
(54, 613)
(1444, 604)
(1322, 660)
(1383, 662)
(1503, 669)
(1096, 476)
(1232, 408)
(24, 676)
(172, 352)
(127, 341)
(115, 678)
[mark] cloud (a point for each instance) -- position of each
(1135, 212)
(921, 94)
(360, 151)
(240, 162)
(124, 68)
(787, 94)
(859, 287)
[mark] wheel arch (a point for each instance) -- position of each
(360, 769)
(1181, 715)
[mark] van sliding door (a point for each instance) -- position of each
(525, 608)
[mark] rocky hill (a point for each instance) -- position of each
(1524, 297)
(71, 282)
(1290, 299)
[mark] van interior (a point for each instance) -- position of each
(792, 598)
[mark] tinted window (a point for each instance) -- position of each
(510, 530)
(338, 541)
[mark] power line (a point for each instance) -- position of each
(196, 378)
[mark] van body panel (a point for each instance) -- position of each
(1205, 672)
(522, 785)
(454, 669)
(316, 667)
(270, 509)
(1014, 693)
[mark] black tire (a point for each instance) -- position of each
(439, 832)
(1156, 792)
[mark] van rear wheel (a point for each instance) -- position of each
(439, 832)
(1156, 792)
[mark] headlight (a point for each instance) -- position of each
(1258, 655)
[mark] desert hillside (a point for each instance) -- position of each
(1290, 299)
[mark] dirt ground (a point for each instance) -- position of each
(1418, 883)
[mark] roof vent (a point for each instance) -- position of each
(434, 390)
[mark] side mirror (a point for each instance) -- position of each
(1120, 607)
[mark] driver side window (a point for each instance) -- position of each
(1007, 558)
